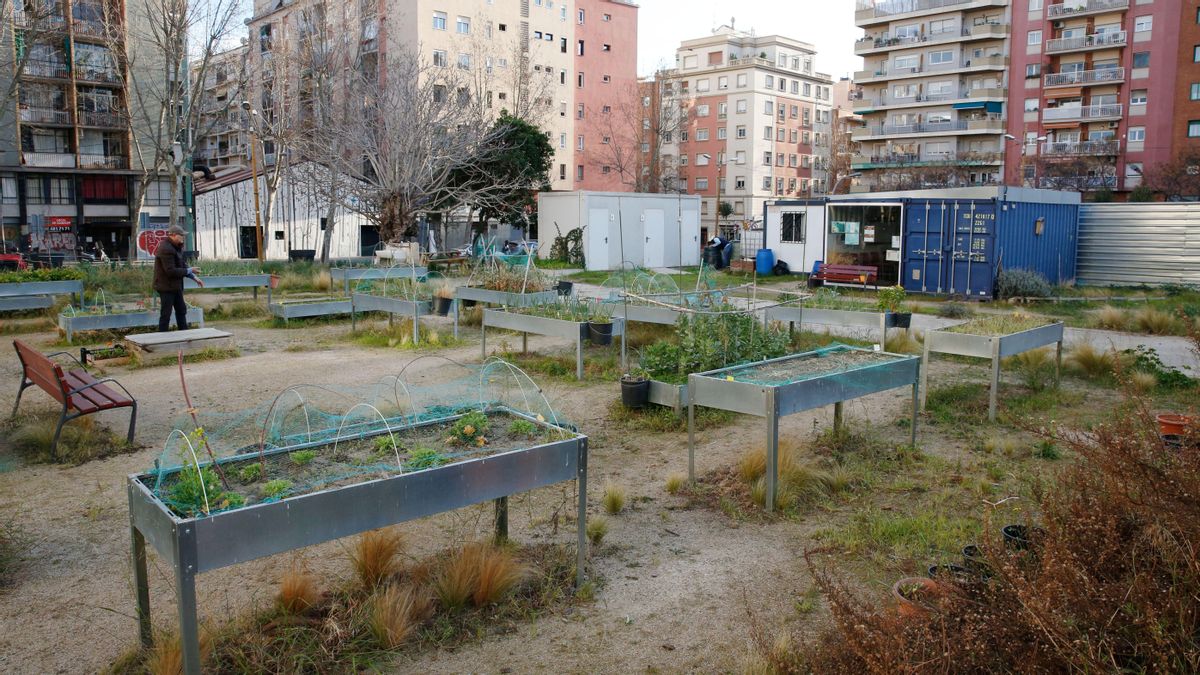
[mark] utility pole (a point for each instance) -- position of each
(258, 233)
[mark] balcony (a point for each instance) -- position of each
(100, 75)
(90, 30)
(881, 73)
(91, 161)
(1077, 182)
(885, 42)
(1078, 8)
(916, 159)
(867, 104)
(1085, 77)
(46, 116)
(47, 69)
(1106, 111)
(39, 23)
(877, 11)
(1078, 44)
(106, 120)
(1077, 148)
(59, 160)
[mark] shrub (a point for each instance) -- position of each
(613, 499)
(890, 298)
(1090, 362)
(954, 310)
(1155, 321)
(374, 556)
(1143, 359)
(1141, 193)
(675, 483)
(1016, 283)
(302, 457)
(597, 527)
(297, 591)
(396, 612)
(1111, 318)
(275, 488)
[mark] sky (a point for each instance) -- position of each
(826, 24)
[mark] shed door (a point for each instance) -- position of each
(972, 249)
(927, 247)
(656, 239)
(598, 257)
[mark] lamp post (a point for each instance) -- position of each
(838, 182)
(258, 233)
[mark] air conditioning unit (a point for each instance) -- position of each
(1059, 24)
(1113, 125)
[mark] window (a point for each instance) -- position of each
(702, 159)
(579, 142)
(807, 89)
(741, 80)
(579, 112)
(579, 48)
(796, 87)
(722, 110)
(439, 21)
(779, 159)
(562, 45)
(439, 57)
(1143, 23)
(716, 58)
(941, 26)
(791, 228)
(768, 108)
(741, 105)
(702, 134)
(701, 184)
(579, 79)
(1034, 37)
(1137, 134)
(562, 171)
(464, 61)
(1035, 5)
(606, 17)
(463, 26)
(907, 62)
(739, 157)
(1141, 59)
(739, 183)
(702, 85)
(722, 133)
(579, 172)
(770, 82)
(580, 17)
(1031, 105)
(1195, 93)
(1033, 70)
(723, 82)
(741, 131)
(1193, 129)
(1138, 97)
(768, 133)
(766, 183)
(562, 141)
(1195, 55)
(767, 158)
(904, 91)
(794, 112)
(941, 57)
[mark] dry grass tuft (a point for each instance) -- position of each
(322, 281)
(166, 656)
(297, 591)
(82, 439)
(613, 499)
(1155, 321)
(480, 574)
(675, 483)
(1091, 362)
(455, 583)
(753, 464)
(396, 613)
(904, 342)
(374, 556)
(597, 528)
(1111, 318)
(1143, 382)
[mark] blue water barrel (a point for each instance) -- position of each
(765, 262)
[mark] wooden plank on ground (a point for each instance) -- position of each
(191, 340)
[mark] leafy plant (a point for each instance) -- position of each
(520, 427)
(710, 341)
(275, 488)
(250, 473)
(425, 458)
(43, 274)
(511, 279)
(1146, 360)
(384, 445)
(470, 429)
(197, 491)
(1017, 283)
(890, 298)
(302, 457)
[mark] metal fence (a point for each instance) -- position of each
(1139, 243)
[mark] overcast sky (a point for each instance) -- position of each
(826, 24)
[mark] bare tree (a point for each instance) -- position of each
(636, 131)
(1076, 174)
(1177, 179)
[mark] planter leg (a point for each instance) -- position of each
(185, 593)
(581, 515)
(578, 358)
(454, 302)
(524, 343)
(913, 436)
(416, 329)
(994, 382)
(483, 340)
(837, 416)
(141, 583)
(501, 520)
(691, 432)
(1058, 365)
(773, 452)
(925, 359)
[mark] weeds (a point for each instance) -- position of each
(903, 342)
(1090, 362)
(675, 483)
(297, 591)
(661, 419)
(374, 556)
(954, 310)
(12, 546)
(1110, 318)
(250, 473)
(613, 499)
(275, 488)
(1035, 366)
(302, 457)
(82, 439)
(597, 528)
(1155, 322)
(480, 573)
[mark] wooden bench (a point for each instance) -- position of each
(76, 389)
(850, 274)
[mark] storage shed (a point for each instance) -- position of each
(643, 230)
(952, 241)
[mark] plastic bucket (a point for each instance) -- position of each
(635, 393)
(601, 333)
(764, 262)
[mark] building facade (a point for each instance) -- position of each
(932, 92)
(606, 86)
(755, 124)
(224, 139)
(1185, 133)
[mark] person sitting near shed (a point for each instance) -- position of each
(725, 247)
(170, 268)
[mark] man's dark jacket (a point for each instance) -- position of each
(169, 267)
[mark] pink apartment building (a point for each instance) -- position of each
(606, 85)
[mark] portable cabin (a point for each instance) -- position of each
(641, 230)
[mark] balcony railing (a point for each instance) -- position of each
(993, 61)
(1087, 112)
(1081, 77)
(90, 29)
(910, 159)
(39, 22)
(1082, 148)
(1077, 182)
(42, 68)
(964, 93)
(98, 75)
(1084, 7)
(108, 120)
(45, 116)
(985, 30)
(1094, 41)
(49, 159)
(874, 9)
(91, 161)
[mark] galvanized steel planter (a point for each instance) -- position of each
(348, 274)
(83, 322)
(502, 298)
(995, 348)
(663, 316)
(298, 310)
(23, 302)
(195, 545)
(542, 325)
(23, 295)
(794, 316)
(716, 389)
(252, 281)
(673, 396)
(365, 302)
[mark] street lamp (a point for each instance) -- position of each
(258, 233)
(1024, 153)
(838, 182)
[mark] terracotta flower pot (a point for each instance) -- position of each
(1170, 424)
(914, 595)
(274, 282)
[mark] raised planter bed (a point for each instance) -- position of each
(251, 281)
(663, 316)
(348, 274)
(36, 294)
(192, 545)
(365, 302)
(790, 384)
(303, 308)
(795, 316)
(71, 324)
(541, 325)
(993, 347)
(673, 396)
(502, 298)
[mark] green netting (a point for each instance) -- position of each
(400, 282)
(831, 360)
(310, 437)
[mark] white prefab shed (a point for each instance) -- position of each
(643, 230)
(796, 232)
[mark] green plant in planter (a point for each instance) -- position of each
(303, 457)
(195, 483)
(470, 429)
(890, 298)
(275, 488)
(425, 458)
(522, 428)
(250, 473)
(600, 313)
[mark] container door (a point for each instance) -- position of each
(926, 247)
(598, 257)
(973, 246)
(656, 240)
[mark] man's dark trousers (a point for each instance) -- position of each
(171, 300)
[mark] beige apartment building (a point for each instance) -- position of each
(932, 92)
(757, 125)
(224, 136)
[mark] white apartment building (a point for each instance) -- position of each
(933, 89)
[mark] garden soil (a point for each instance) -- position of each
(675, 582)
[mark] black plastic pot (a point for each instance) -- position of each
(974, 562)
(467, 303)
(441, 306)
(902, 319)
(564, 288)
(635, 393)
(601, 333)
(956, 573)
(1019, 537)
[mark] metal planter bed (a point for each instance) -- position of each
(200, 544)
(790, 384)
(994, 347)
(795, 316)
(415, 309)
(348, 274)
(673, 396)
(542, 325)
(119, 320)
(251, 281)
(23, 295)
(502, 298)
(299, 309)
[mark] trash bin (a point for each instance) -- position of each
(764, 262)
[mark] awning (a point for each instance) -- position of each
(1071, 92)
(994, 107)
(969, 105)
(1061, 125)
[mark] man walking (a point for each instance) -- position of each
(169, 270)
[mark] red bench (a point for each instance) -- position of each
(76, 390)
(851, 274)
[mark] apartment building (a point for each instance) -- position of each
(66, 169)
(224, 135)
(756, 123)
(932, 92)
(1097, 106)
(843, 148)
(606, 85)
(1185, 133)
